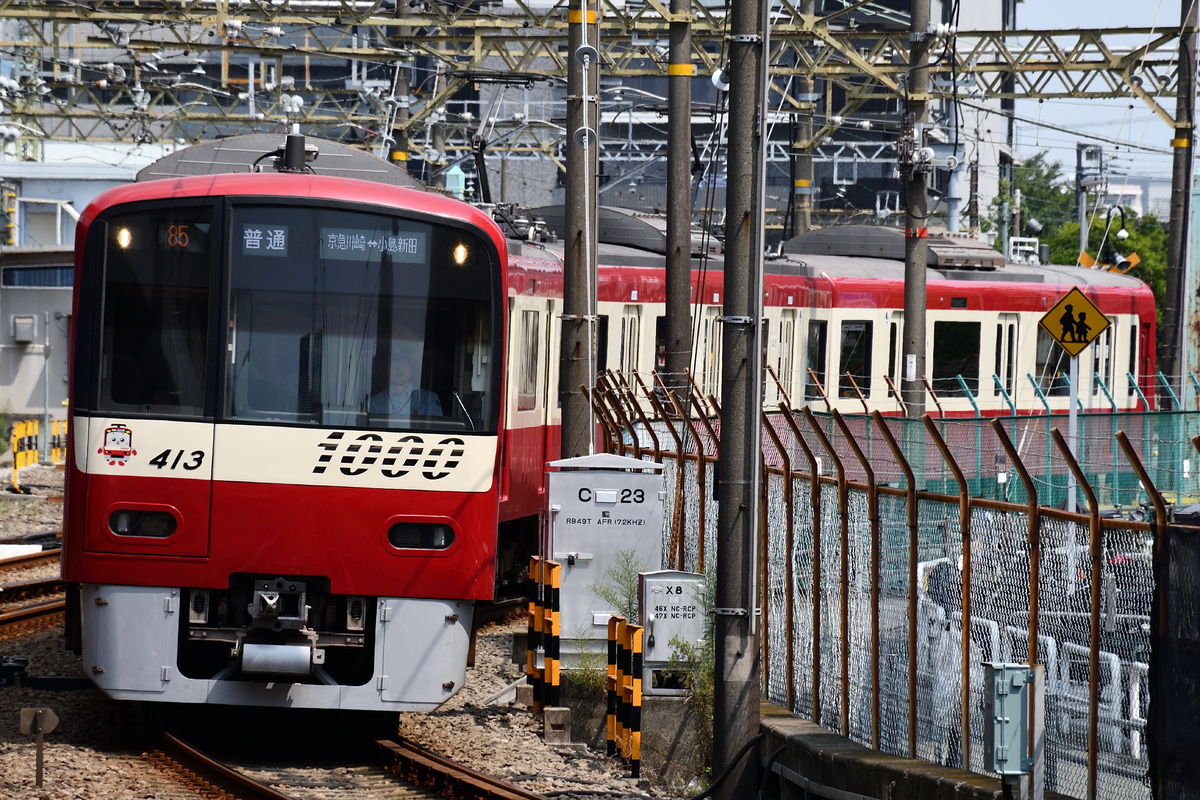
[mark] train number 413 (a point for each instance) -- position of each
(172, 459)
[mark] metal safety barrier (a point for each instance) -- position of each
(880, 534)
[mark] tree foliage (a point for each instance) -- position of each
(1048, 195)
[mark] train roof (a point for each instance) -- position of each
(865, 252)
(248, 153)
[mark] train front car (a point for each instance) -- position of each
(285, 414)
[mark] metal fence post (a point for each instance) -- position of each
(964, 512)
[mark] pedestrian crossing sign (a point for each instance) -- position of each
(1074, 322)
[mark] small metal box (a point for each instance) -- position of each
(672, 609)
(599, 506)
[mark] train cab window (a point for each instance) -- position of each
(346, 318)
(154, 317)
(816, 359)
(855, 358)
(955, 353)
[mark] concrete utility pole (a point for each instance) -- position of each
(577, 364)
(916, 201)
(803, 190)
(738, 684)
(679, 201)
(1175, 327)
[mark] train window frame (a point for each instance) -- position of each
(785, 356)
(859, 357)
(1104, 358)
(816, 357)
(527, 371)
(631, 337)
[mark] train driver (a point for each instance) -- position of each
(402, 397)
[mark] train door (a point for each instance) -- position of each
(552, 402)
(526, 385)
(143, 381)
(1006, 354)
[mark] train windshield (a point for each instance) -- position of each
(346, 318)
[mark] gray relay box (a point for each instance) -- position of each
(672, 609)
(598, 506)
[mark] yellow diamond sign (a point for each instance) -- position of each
(1074, 322)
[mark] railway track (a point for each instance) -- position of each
(32, 604)
(405, 772)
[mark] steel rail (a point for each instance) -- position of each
(30, 559)
(35, 589)
(423, 768)
(207, 775)
(41, 612)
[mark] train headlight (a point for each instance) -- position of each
(124, 238)
(133, 522)
(462, 254)
(420, 536)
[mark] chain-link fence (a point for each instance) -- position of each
(901, 555)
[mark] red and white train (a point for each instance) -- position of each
(310, 412)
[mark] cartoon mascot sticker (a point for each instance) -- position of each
(118, 445)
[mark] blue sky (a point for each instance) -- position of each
(1121, 120)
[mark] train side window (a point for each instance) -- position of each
(955, 352)
(1133, 360)
(815, 359)
(786, 354)
(711, 369)
(855, 358)
(527, 374)
(1053, 365)
(601, 343)
(155, 315)
(1102, 359)
(1006, 351)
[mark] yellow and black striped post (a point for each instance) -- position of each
(614, 624)
(533, 673)
(635, 701)
(58, 441)
(24, 449)
(552, 572)
(625, 685)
